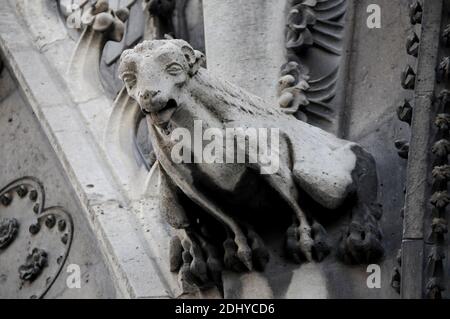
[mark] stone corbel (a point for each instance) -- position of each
(100, 24)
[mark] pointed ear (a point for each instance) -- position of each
(195, 59)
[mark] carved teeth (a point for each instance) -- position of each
(403, 148)
(415, 12)
(412, 44)
(404, 112)
(408, 78)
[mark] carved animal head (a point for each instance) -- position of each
(155, 72)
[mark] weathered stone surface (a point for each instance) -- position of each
(252, 39)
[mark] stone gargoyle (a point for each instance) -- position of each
(220, 209)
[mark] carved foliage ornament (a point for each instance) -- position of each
(103, 19)
(8, 231)
(301, 17)
(34, 241)
(314, 37)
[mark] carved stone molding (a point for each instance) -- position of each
(312, 78)
(425, 242)
(34, 241)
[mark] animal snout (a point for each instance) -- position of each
(147, 96)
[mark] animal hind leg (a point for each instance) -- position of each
(305, 239)
(196, 260)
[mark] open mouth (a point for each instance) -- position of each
(163, 116)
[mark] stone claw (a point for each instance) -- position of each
(321, 247)
(195, 261)
(299, 243)
(245, 256)
(260, 253)
(360, 244)
(246, 253)
(237, 257)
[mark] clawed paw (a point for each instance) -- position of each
(307, 243)
(321, 247)
(199, 263)
(299, 243)
(246, 254)
(196, 261)
(360, 244)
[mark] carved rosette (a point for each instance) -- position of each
(34, 240)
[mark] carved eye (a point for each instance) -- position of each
(130, 81)
(174, 69)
